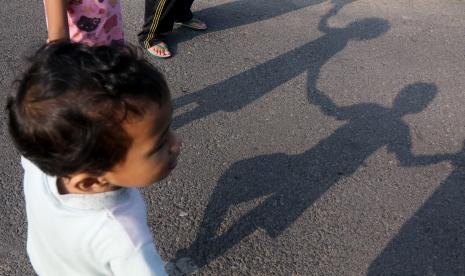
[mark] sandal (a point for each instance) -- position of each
(194, 24)
(161, 47)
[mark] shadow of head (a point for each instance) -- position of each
(414, 98)
(367, 28)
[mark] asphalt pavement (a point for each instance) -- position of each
(321, 137)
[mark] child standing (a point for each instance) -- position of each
(160, 17)
(93, 22)
(89, 136)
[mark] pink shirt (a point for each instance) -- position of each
(95, 22)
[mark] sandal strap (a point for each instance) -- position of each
(162, 46)
(192, 23)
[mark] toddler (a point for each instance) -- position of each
(89, 136)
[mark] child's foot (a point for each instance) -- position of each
(159, 50)
(194, 24)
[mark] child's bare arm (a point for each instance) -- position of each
(57, 21)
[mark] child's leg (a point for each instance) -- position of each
(182, 10)
(183, 16)
(158, 19)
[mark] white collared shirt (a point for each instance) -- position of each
(91, 234)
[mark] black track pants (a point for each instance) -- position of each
(160, 16)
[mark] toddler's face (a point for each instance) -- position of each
(153, 153)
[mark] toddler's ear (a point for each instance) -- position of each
(84, 183)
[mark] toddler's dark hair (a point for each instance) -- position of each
(68, 112)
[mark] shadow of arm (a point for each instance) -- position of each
(326, 105)
(403, 151)
(338, 5)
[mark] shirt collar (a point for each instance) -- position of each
(98, 201)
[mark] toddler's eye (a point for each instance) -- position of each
(161, 145)
(167, 134)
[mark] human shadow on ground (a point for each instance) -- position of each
(293, 183)
(239, 13)
(289, 184)
(244, 88)
(242, 12)
(432, 242)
